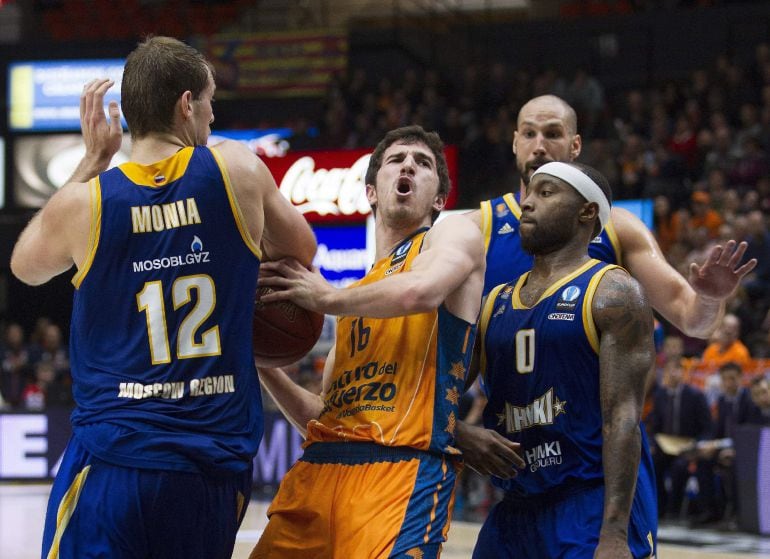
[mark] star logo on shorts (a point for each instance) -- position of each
(415, 553)
(558, 406)
(458, 370)
(453, 395)
(451, 424)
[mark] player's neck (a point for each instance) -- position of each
(155, 147)
(552, 266)
(387, 238)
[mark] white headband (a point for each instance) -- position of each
(581, 182)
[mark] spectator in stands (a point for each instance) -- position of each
(733, 407)
(734, 403)
(34, 397)
(15, 365)
(760, 397)
(703, 215)
(757, 284)
(726, 345)
(751, 165)
(52, 350)
(667, 223)
(682, 411)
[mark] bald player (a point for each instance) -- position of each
(547, 131)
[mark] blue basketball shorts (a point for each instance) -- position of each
(564, 528)
(101, 510)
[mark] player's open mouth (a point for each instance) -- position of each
(404, 186)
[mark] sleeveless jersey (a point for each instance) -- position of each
(506, 260)
(161, 354)
(541, 372)
(397, 381)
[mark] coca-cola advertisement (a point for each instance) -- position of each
(329, 185)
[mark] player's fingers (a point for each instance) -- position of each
(90, 93)
(275, 296)
(511, 455)
(746, 268)
(84, 96)
(273, 281)
(714, 255)
(737, 256)
(724, 257)
(114, 110)
(275, 267)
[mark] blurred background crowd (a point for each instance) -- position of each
(696, 145)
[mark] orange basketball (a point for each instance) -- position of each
(283, 333)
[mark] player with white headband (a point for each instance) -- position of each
(564, 351)
(578, 177)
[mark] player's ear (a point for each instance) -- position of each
(185, 104)
(513, 144)
(439, 201)
(589, 212)
(371, 194)
(576, 146)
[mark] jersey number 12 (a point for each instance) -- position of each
(150, 300)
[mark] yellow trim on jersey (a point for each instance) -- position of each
(553, 288)
(236, 209)
(486, 216)
(486, 314)
(486, 223)
(66, 509)
(588, 315)
(513, 205)
(169, 169)
(612, 235)
(95, 191)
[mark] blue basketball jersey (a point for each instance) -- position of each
(160, 345)
(506, 260)
(541, 371)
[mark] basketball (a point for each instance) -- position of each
(283, 332)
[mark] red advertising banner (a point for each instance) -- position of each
(329, 185)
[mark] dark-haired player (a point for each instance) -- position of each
(377, 476)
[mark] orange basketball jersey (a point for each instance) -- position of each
(396, 381)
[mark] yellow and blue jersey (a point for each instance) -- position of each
(161, 352)
(506, 260)
(540, 366)
(397, 381)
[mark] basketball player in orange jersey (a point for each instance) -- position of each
(167, 249)
(377, 476)
(546, 130)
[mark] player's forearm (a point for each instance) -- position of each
(702, 316)
(298, 404)
(397, 295)
(90, 166)
(621, 453)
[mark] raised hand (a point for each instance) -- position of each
(102, 137)
(720, 275)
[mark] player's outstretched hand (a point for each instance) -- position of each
(293, 282)
(487, 451)
(101, 136)
(720, 275)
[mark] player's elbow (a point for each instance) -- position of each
(27, 275)
(420, 297)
